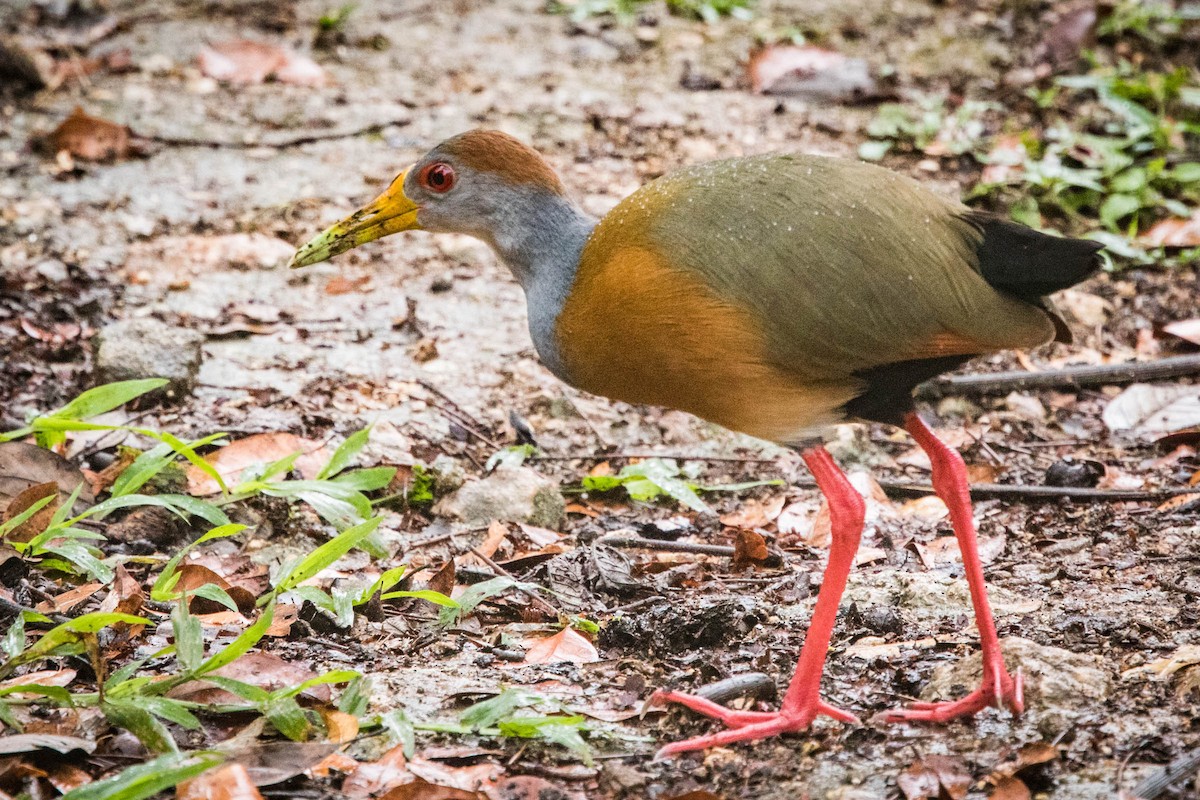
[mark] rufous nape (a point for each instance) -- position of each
(776, 295)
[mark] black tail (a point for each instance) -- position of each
(1029, 264)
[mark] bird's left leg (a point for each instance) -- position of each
(998, 688)
(802, 703)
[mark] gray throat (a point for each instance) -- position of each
(541, 241)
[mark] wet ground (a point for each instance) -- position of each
(425, 338)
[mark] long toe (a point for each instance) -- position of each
(999, 689)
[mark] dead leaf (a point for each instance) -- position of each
(40, 520)
(226, 782)
(566, 645)
(340, 727)
(373, 778)
(1009, 788)
(497, 532)
(342, 285)
(1149, 412)
(944, 550)
(540, 537)
(23, 465)
(813, 73)
(442, 580)
(334, 762)
(931, 776)
(246, 62)
(264, 670)
(1028, 756)
(749, 548)
(1062, 42)
(64, 777)
(1186, 329)
(262, 448)
(283, 619)
(88, 138)
(1174, 232)
(420, 789)
(44, 677)
(126, 595)
(754, 513)
(30, 742)
(929, 508)
(1163, 668)
(69, 599)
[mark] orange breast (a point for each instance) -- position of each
(636, 329)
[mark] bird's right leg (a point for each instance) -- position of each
(802, 703)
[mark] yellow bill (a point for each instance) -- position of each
(391, 212)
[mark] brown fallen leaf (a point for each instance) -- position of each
(44, 677)
(749, 548)
(226, 782)
(420, 789)
(754, 513)
(540, 537)
(66, 601)
(1009, 788)
(89, 138)
(40, 520)
(340, 727)
(64, 777)
(1149, 412)
(1174, 232)
(566, 645)
(497, 532)
(931, 777)
(264, 670)
(342, 285)
(261, 448)
(1065, 39)
(126, 595)
(23, 465)
(246, 62)
(334, 762)
(810, 72)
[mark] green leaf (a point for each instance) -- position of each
(67, 636)
(105, 398)
(345, 453)
(14, 638)
(247, 691)
(133, 716)
(486, 713)
(142, 781)
(1116, 207)
(327, 554)
(288, 718)
(234, 650)
(153, 461)
(189, 637)
(385, 581)
(75, 553)
(355, 697)
(397, 723)
(338, 513)
(366, 480)
(210, 591)
(333, 676)
(189, 452)
(171, 711)
(1186, 173)
(429, 595)
(473, 596)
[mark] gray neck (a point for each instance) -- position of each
(541, 240)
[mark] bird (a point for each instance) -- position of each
(776, 295)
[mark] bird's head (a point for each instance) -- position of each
(474, 183)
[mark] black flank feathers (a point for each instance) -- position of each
(1029, 264)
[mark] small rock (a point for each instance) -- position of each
(133, 349)
(52, 270)
(510, 494)
(448, 475)
(1056, 680)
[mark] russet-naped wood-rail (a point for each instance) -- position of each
(774, 295)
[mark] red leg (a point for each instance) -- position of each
(998, 687)
(802, 703)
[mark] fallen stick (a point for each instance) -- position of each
(1065, 378)
(640, 543)
(986, 491)
(1154, 785)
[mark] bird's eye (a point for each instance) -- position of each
(438, 177)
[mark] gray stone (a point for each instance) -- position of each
(133, 349)
(1056, 680)
(510, 494)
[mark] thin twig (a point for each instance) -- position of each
(1065, 378)
(1160, 781)
(987, 491)
(281, 143)
(544, 604)
(469, 423)
(626, 456)
(664, 545)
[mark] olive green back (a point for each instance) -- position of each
(845, 265)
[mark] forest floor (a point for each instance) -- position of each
(424, 339)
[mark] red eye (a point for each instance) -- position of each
(438, 177)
